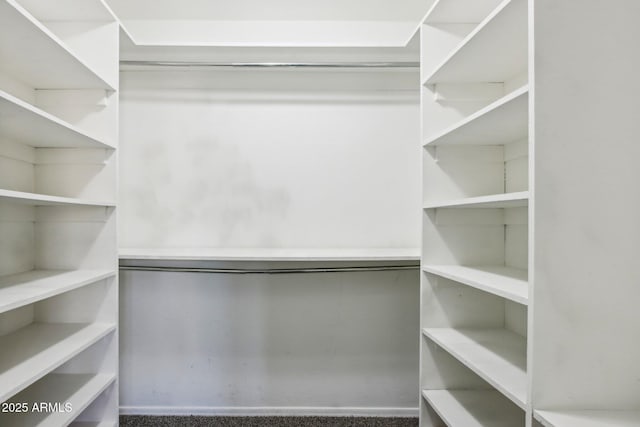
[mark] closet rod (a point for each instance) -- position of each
(271, 64)
(270, 270)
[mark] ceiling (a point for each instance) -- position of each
(270, 22)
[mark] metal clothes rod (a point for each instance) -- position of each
(270, 270)
(272, 64)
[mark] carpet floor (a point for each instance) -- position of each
(196, 421)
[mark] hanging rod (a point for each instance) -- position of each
(270, 270)
(271, 64)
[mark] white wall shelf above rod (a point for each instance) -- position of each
(203, 64)
(266, 254)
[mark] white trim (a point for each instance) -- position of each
(268, 411)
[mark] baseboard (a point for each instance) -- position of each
(268, 411)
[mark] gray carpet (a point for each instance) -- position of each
(149, 421)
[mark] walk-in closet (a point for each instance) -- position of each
(352, 213)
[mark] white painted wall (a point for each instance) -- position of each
(282, 160)
(325, 343)
(269, 159)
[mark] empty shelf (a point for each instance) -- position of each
(25, 288)
(587, 418)
(494, 52)
(268, 254)
(474, 408)
(504, 121)
(35, 350)
(32, 126)
(507, 282)
(93, 424)
(79, 390)
(35, 199)
(459, 11)
(506, 200)
(38, 57)
(498, 356)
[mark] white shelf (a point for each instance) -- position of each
(93, 424)
(35, 350)
(474, 408)
(506, 200)
(459, 11)
(77, 389)
(494, 52)
(22, 122)
(506, 282)
(496, 355)
(268, 254)
(588, 418)
(26, 288)
(35, 199)
(38, 57)
(502, 122)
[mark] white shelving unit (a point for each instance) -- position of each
(269, 254)
(33, 199)
(32, 286)
(32, 126)
(503, 121)
(507, 282)
(588, 418)
(58, 252)
(508, 200)
(65, 68)
(472, 408)
(78, 390)
(528, 245)
(497, 356)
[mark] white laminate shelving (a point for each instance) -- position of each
(507, 200)
(513, 101)
(58, 130)
(58, 184)
(588, 418)
(35, 54)
(26, 288)
(495, 51)
(93, 424)
(497, 355)
(474, 408)
(77, 390)
(459, 11)
(35, 350)
(30, 125)
(269, 254)
(33, 199)
(503, 121)
(507, 282)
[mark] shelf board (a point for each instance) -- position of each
(505, 120)
(35, 350)
(498, 356)
(459, 11)
(93, 424)
(495, 51)
(506, 200)
(474, 408)
(268, 254)
(506, 282)
(35, 199)
(32, 126)
(77, 389)
(26, 288)
(38, 57)
(588, 418)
